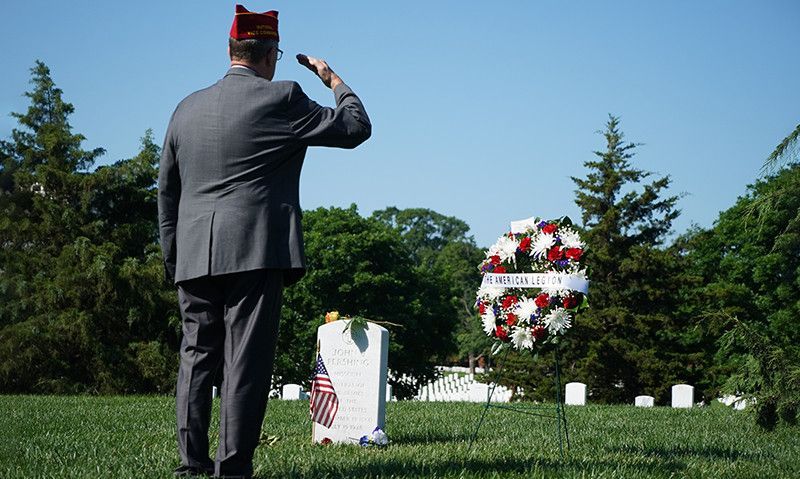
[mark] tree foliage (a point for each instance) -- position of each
(444, 252)
(785, 153)
(83, 306)
(749, 265)
(631, 341)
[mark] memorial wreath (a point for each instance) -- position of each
(534, 283)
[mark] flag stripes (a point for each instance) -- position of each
(323, 402)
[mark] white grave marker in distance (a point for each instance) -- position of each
(682, 396)
(356, 361)
(478, 392)
(644, 401)
(292, 392)
(575, 394)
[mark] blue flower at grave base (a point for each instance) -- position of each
(376, 438)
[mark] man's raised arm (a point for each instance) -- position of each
(345, 126)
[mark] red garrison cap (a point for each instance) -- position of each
(254, 25)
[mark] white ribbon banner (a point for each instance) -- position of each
(521, 226)
(537, 280)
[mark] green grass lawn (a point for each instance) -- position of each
(127, 437)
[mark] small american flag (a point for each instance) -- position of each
(324, 402)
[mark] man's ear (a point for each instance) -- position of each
(229, 51)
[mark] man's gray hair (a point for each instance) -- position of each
(251, 50)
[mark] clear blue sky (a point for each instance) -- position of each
(481, 110)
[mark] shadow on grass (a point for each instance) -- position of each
(680, 451)
(414, 438)
(396, 467)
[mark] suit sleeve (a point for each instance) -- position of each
(345, 126)
(169, 194)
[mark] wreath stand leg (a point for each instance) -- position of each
(560, 413)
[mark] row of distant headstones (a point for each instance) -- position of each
(682, 397)
(575, 395)
(296, 392)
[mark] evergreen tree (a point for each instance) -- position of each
(750, 296)
(632, 340)
(83, 306)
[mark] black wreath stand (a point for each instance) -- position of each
(559, 414)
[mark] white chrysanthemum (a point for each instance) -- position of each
(541, 243)
(522, 338)
(488, 321)
(581, 273)
(505, 248)
(570, 238)
(556, 291)
(557, 321)
(525, 308)
(490, 293)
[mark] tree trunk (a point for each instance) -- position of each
(472, 361)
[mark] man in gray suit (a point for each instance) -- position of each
(229, 218)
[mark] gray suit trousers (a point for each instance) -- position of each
(232, 320)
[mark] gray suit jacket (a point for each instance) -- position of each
(228, 198)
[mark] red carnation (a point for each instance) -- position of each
(495, 259)
(481, 308)
(542, 301)
(511, 319)
(570, 302)
(574, 253)
(549, 228)
(538, 332)
(509, 301)
(500, 333)
(499, 270)
(525, 244)
(555, 253)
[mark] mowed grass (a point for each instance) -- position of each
(133, 437)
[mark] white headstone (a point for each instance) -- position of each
(575, 394)
(644, 401)
(356, 362)
(682, 395)
(388, 392)
(214, 392)
(292, 392)
(478, 392)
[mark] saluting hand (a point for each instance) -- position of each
(321, 69)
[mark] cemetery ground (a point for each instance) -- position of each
(133, 436)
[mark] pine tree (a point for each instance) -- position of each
(630, 340)
(83, 307)
(750, 295)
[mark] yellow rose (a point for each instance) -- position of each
(332, 316)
